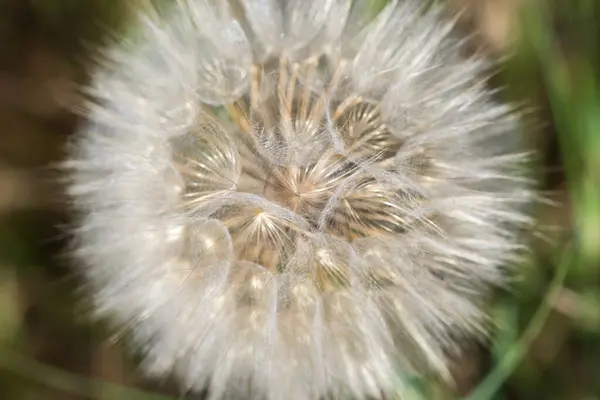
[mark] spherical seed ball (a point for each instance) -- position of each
(294, 200)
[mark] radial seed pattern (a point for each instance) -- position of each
(296, 199)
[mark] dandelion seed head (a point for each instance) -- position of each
(296, 199)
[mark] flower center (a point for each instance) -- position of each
(289, 162)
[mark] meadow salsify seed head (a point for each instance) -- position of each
(296, 199)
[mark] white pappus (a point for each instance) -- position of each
(296, 199)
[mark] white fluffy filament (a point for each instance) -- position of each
(294, 200)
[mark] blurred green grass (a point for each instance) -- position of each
(547, 345)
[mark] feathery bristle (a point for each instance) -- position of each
(293, 199)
